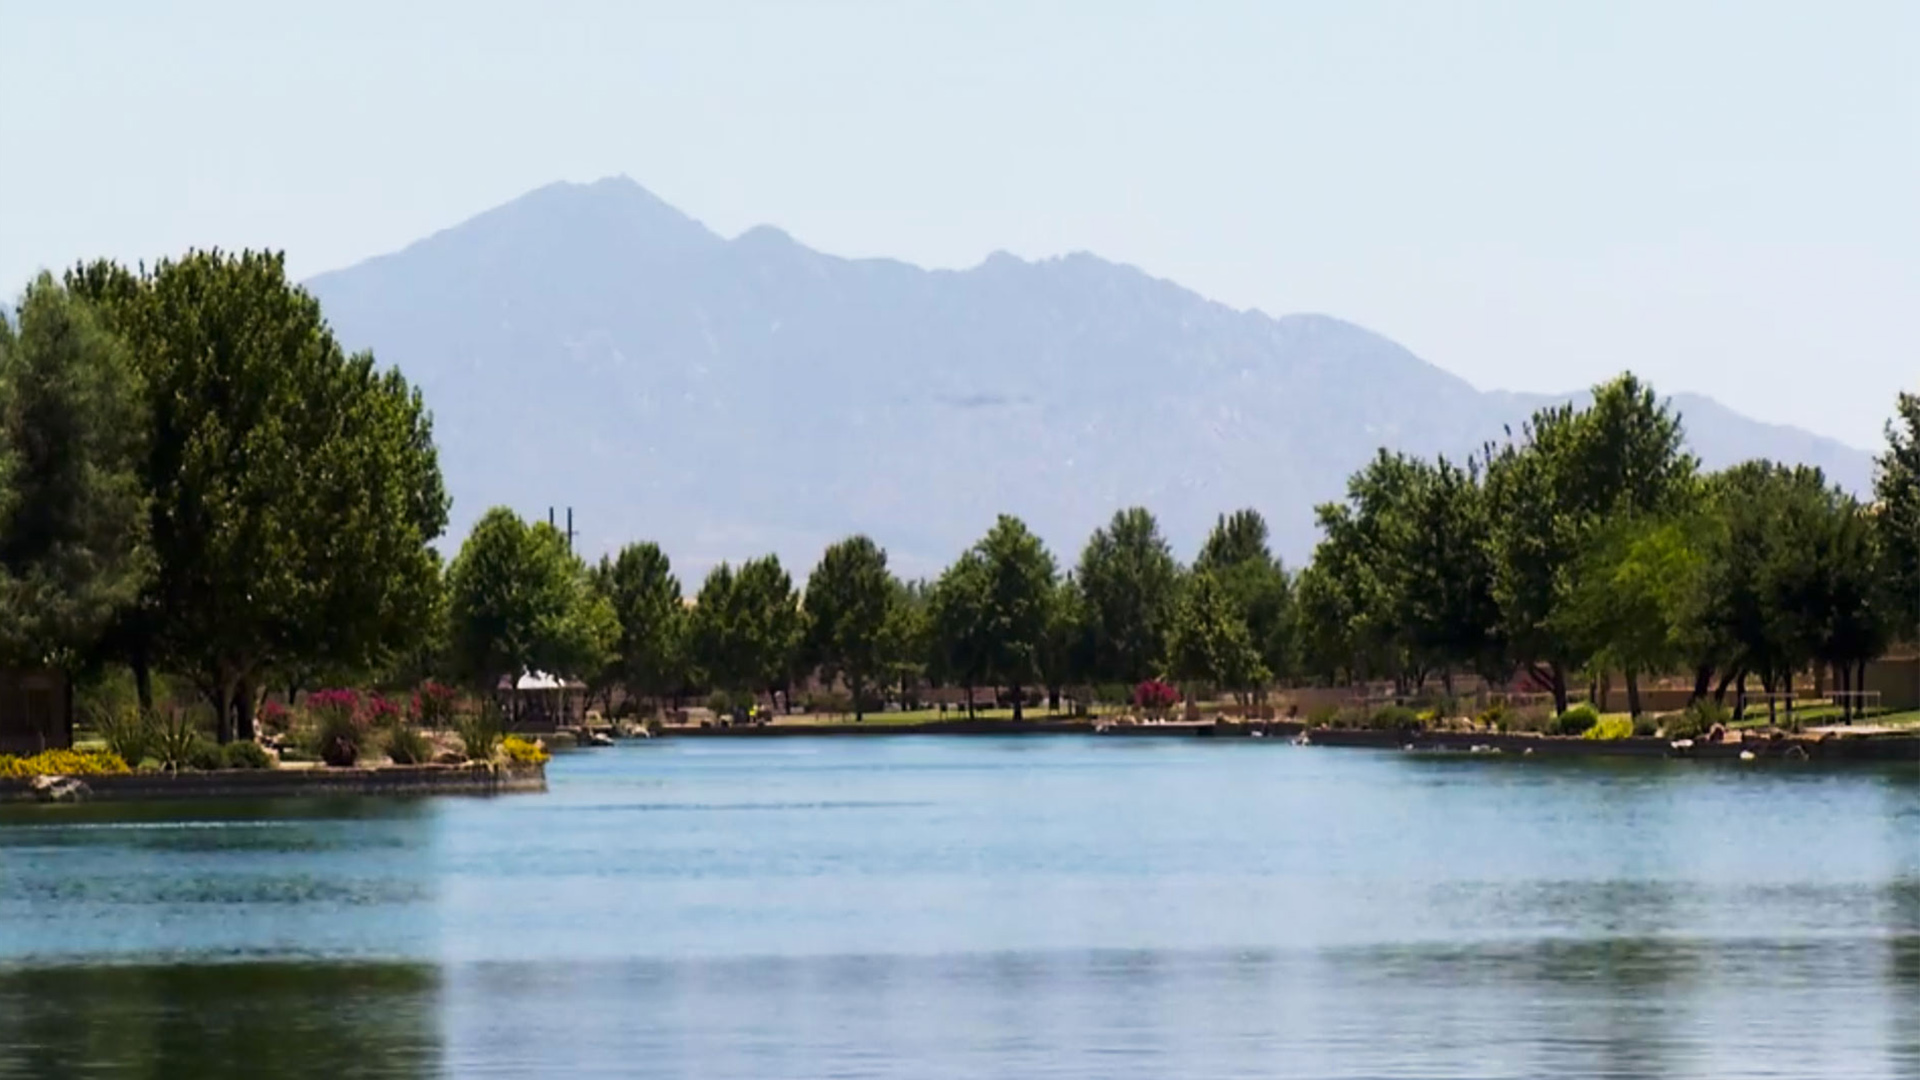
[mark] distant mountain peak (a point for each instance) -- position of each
(591, 345)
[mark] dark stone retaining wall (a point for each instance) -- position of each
(288, 783)
(1833, 748)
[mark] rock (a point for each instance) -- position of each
(58, 789)
(449, 757)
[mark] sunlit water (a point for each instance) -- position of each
(928, 908)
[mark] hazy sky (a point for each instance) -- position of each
(1724, 196)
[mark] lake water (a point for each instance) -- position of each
(931, 908)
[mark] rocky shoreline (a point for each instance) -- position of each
(384, 780)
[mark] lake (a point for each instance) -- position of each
(978, 907)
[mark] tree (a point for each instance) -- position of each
(849, 598)
(1257, 585)
(907, 639)
(766, 595)
(73, 523)
(649, 655)
(1017, 592)
(519, 601)
(1897, 520)
(745, 627)
(961, 649)
(1210, 640)
(1628, 598)
(294, 490)
(1571, 474)
(1128, 580)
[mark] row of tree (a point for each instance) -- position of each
(195, 478)
(1593, 543)
(1002, 616)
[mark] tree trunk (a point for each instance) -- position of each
(1702, 681)
(969, 701)
(1019, 697)
(1053, 699)
(1860, 684)
(1559, 687)
(1740, 698)
(243, 711)
(1773, 703)
(1842, 682)
(1633, 694)
(1786, 688)
(143, 680)
(859, 712)
(220, 694)
(1726, 679)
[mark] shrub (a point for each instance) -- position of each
(245, 754)
(435, 704)
(173, 736)
(1699, 718)
(827, 702)
(126, 733)
(521, 752)
(407, 746)
(1496, 716)
(1577, 720)
(480, 732)
(63, 763)
(1154, 695)
(340, 726)
(381, 713)
(1610, 728)
(1395, 718)
(205, 755)
(1322, 715)
(1645, 727)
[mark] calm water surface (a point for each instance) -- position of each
(929, 908)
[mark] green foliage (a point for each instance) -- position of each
(849, 599)
(1495, 716)
(1128, 582)
(480, 732)
(992, 610)
(1577, 720)
(649, 653)
(1627, 604)
(407, 745)
(1395, 718)
(1699, 717)
(74, 555)
(205, 755)
(1611, 728)
(1897, 491)
(1236, 554)
(1210, 640)
(1645, 726)
(745, 627)
(520, 601)
(174, 734)
(245, 754)
(294, 490)
(126, 732)
(1321, 716)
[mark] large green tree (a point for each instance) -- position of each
(1128, 582)
(519, 601)
(849, 598)
(649, 655)
(1210, 640)
(960, 649)
(294, 490)
(1237, 555)
(1017, 593)
(1897, 489)
(745, 627)
(73, 517)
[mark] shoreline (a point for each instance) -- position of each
(1831, 747)
(385, 780)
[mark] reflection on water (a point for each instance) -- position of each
(956, 908)
(239, 1021)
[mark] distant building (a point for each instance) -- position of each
(36, 711)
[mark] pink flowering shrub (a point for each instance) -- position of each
(1155, 697)
(340, 725)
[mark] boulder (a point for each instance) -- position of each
(58, 789)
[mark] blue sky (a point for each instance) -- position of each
(1723, 196)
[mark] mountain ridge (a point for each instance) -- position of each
(591, 345)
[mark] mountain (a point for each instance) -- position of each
(591, 346)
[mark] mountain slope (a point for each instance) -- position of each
(588, 345)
